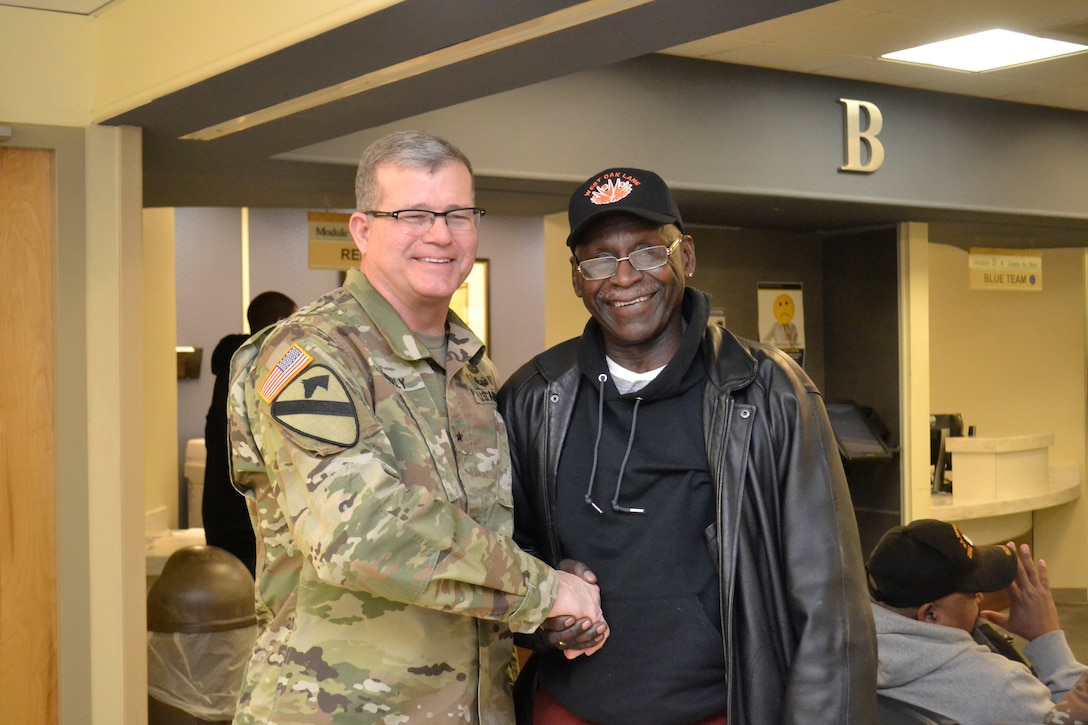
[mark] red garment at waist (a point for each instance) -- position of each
(548, 711)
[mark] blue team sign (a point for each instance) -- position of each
(1005, 269)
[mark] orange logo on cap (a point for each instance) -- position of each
(611, 191)
(964, 541)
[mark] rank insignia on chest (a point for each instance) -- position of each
(483, 395)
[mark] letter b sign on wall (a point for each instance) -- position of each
(856, 137)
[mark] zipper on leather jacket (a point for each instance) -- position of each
(546, 493)
(725, 589)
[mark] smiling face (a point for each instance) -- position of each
(638, 311)
(417, 272)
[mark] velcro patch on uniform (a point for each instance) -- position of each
(317, 405)
(293, 362)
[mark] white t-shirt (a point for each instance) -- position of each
(628, 381)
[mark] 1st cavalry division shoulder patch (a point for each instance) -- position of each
(317, 404)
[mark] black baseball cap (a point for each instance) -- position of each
(928, 559)
(634, 191)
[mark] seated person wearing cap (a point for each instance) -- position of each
(926, 580)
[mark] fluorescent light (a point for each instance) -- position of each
(523, 32)
(987, 50)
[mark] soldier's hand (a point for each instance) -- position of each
(576, 633)
(577, 598)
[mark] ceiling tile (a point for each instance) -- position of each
(1007, 14)
(987, 85)
(806, 21)
(783, 57)
(75, 7)
(846, 38)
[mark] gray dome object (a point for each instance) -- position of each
(201, 589)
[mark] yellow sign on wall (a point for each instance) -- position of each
(1005, 269)
(331, 245)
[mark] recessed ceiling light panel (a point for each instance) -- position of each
(988, 50)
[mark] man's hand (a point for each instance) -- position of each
(1031, 607)
(576, 631)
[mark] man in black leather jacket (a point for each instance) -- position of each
(694, 476)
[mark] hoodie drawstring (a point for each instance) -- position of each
(619, 480)
(597, 444)
(623, 465)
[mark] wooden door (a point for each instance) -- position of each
(28, 565)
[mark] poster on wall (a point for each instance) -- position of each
(782, 318)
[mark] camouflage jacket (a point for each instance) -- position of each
(387, 581)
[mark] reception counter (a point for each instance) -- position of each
(998, 482)
(1063, 485)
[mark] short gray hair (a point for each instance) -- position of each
(405, 149)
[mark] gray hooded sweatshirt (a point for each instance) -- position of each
(945, 671)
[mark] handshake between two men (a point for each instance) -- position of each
(576, 625)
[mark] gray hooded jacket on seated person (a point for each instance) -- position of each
(945, 671)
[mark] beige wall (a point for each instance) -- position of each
(565, 315)
(52, 55)
(116, 427)
(1013, 363)
(914, 368)
(160, 363)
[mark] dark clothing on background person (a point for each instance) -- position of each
(743, 579)
(226, 518)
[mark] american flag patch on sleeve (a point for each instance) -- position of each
(293, 362)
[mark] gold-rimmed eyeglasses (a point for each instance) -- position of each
(643, 260)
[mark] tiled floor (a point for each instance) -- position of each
(1075, 623)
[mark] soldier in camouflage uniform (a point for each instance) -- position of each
(365, 434)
